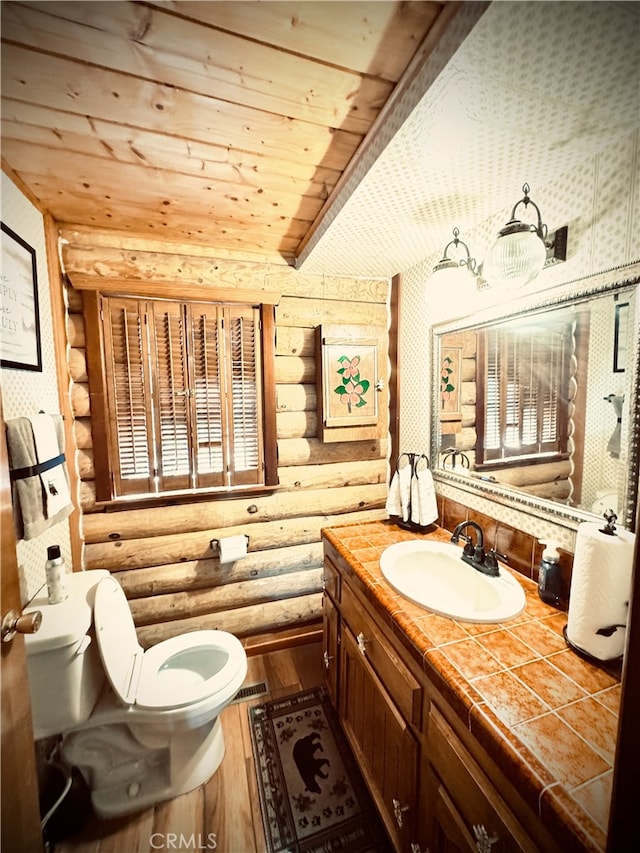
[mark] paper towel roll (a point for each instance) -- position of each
(232, 548)
(600, 590)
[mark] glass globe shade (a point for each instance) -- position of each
(450, 276)
(517, 256)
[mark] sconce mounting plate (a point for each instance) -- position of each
(556, 246)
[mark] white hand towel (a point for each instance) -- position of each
(415, 500)
(394, 504)
(399, 493)
(54, 481)
(404, 475)
(427, 507)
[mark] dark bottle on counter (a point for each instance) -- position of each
(550, 575)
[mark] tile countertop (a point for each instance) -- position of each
(547, 717)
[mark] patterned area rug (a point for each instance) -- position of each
(312, 796)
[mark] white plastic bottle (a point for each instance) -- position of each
(56, 571)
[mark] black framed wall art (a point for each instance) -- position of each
(20, 346)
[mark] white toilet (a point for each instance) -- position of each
(142, 727)
(606, 499)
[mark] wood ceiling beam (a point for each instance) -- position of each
(453, 25)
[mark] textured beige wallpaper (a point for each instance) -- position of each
(26, 392)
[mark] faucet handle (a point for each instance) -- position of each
(491, 559)
(469, 548)
(494, 555)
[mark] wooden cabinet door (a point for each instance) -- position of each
(331, 633)
(468, 811)
(449, 833)
(384, 746)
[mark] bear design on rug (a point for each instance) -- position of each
(308, 765)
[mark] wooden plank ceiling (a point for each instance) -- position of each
(220, 123)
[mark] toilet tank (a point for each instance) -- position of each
(63, 663)
(605, 499)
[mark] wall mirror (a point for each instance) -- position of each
(538, 404)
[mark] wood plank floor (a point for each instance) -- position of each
(224, 814)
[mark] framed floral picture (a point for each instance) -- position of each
(450, 377)
(349, 381)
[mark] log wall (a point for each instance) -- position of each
(162, 554)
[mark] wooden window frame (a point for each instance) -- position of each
(98, 389)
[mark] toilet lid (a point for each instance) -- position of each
(120, 650)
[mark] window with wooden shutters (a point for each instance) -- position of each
(523, 392)
(183, 396)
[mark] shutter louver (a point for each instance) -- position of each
(127, 369)
(511, 400)
(246, 424)
(206, 326)
(171, 397)
(492, 399)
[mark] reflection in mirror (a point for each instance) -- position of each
(540, 404)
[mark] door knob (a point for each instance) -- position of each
(13, 623)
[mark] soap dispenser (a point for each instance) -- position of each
(550, 575)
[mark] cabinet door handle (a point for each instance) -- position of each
(398, 812)
(362, 643)
(327, 658)
(483, 842)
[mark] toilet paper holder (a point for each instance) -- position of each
(610, 519)
(215, 544)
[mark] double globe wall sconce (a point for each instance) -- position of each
(521, 251)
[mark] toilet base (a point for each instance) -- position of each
(125, 776)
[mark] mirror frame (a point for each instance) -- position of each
(578, 290)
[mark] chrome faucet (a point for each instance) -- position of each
(474, 554)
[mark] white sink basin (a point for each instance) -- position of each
(433, 575)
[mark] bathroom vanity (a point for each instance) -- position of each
(473, 737)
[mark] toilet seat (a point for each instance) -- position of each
(177, 672)
(164, 684)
